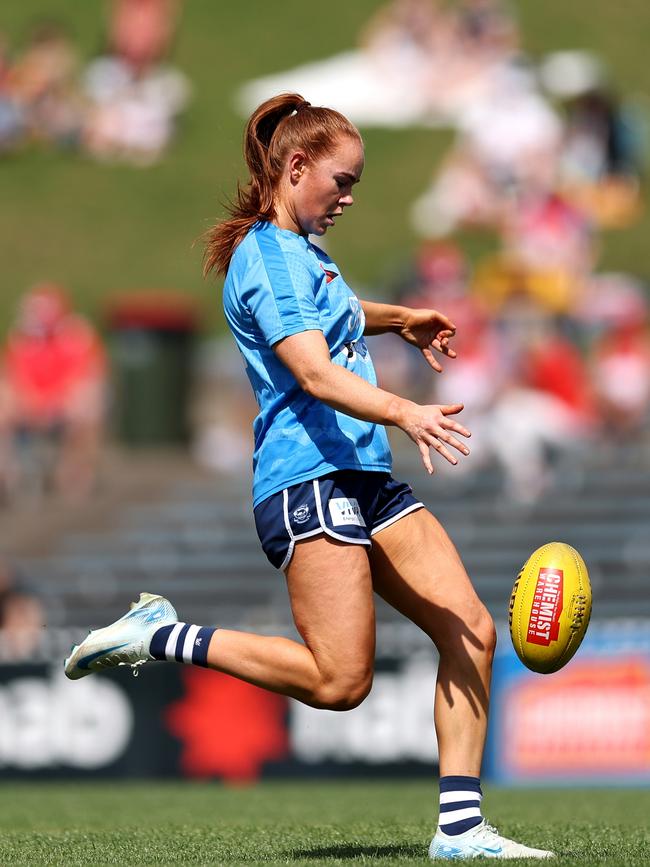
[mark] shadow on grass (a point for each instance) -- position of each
(350, 850)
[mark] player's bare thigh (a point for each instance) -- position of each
(417, 570)
(330, 588)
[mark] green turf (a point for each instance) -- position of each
(100, 228)
(299, 823)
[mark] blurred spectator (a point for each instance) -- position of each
(621, 374)
(548, 253)
(487, 26)
(440, 278)
(135, 97)
(547, 232)
(542, 409)
(528, 428)
(22, 617)
(476, 377)
(141, 31)
(53, 397)
(43, 83)
(133, 112)
(552, 364)
(600, 166)
(597, 141)
(403, 28)
(617, 310)
(443, 269)
(12, 120)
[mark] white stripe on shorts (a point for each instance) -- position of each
(285, 512)
(412, 508)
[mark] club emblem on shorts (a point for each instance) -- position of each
(301, 514)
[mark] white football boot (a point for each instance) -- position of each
(482, 841)
(125, 642)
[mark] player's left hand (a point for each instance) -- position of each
(429, 330)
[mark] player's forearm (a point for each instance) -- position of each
(346, 392)
(381, 318)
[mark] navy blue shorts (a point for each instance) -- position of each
(348, 505)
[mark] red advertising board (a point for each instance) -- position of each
(588, 722)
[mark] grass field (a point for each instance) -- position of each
(300, 823)
(101, 228)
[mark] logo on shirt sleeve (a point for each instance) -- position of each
(329, 275)
(344, 512)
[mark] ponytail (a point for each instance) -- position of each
(283, 123)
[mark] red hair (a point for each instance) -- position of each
(282, 124)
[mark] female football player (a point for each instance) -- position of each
(327, 511)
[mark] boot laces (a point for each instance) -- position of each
(134, 665)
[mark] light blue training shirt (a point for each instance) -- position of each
(279, 284)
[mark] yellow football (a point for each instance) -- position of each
(550, 607)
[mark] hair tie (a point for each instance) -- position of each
(303, 104)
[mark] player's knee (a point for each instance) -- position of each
(473, 635)
(344, 692)
(349, 695)
(484, 632)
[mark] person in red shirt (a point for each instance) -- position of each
(54, 374)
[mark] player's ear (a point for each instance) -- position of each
(297, 165)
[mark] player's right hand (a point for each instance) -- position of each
(430, 427)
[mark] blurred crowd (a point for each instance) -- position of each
(552, 354)
(545, 156)
(521, 131)
(124, 105)
(538, 383)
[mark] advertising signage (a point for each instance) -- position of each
(175, 720)
(588, 723)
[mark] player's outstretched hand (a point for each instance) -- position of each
(430, 427)
(429, 330)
